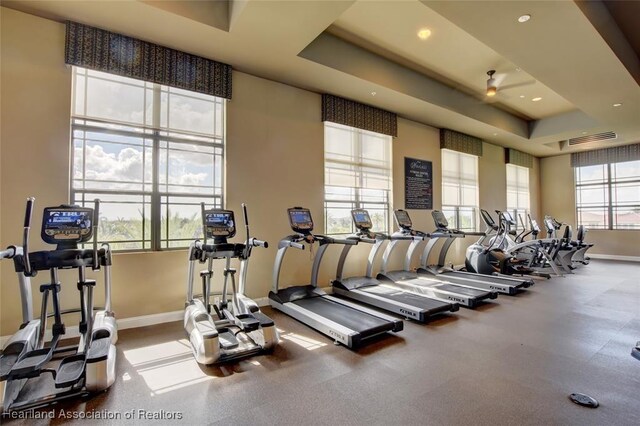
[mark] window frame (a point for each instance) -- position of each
(515, 210)
(162, 140)
(458, 209)
(608, 205)
(358, 200)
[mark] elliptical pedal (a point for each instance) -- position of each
(70, 371)
(227, 339)
(247, 322)
(264, 320)
(99, 349)
(31, 364)
(10, 356)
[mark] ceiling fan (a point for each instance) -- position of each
(495, 80)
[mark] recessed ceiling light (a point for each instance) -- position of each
(373, 93)
(424, 34)
(495, 134)
(536, 99)
(522, 96)
(524, 18)
(617, 105)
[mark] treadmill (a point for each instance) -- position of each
(371, 291)
(499, 283)
(409, 280)
(344, 321)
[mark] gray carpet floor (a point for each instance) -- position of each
(513, 361)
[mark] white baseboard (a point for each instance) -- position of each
(146, 320)
(262, 301)
(614, 257)
(133, 322)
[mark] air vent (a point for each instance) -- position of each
(599, 137)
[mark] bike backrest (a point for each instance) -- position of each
(582, 233)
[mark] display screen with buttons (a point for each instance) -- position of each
(69, 224)
(219, 223)
(361, 219)
(300, 219)
(403, 219)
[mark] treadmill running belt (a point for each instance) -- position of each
(407, 298)
(364, 324)
(462, 290)
(512, 281)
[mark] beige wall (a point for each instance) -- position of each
(274, 160)
(559, 200)
(35, 104)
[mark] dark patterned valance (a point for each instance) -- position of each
(354, 114)
(455, 141)
(519, 158)
(105, 51)
(616, 154)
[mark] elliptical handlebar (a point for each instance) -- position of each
(204, 230)
(96, 218)
(10, 252)
(258, 243)
(25, 237)
(251, 242)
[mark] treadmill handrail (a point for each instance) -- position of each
(315, 269)
(361, 237)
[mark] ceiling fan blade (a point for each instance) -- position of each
(515, 85)
(499, 78)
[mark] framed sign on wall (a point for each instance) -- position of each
(418, 184)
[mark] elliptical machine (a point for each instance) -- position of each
(240, 329)
(490, 259)
(91, 367)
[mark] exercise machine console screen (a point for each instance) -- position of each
(361, 219)
(440, 219)
(72, 224)
(219, 223)
(403, 219)
(300, 220)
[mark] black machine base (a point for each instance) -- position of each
(584, 400)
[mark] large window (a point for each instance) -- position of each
(608, 195)
(151, 153)
(460, 189)
(518, 193)
(357, 175)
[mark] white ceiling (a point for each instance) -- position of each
(353, 48)
(449, 54)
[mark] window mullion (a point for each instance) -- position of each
(156, 214)
(610, 204)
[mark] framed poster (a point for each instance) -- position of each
(418, 184)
